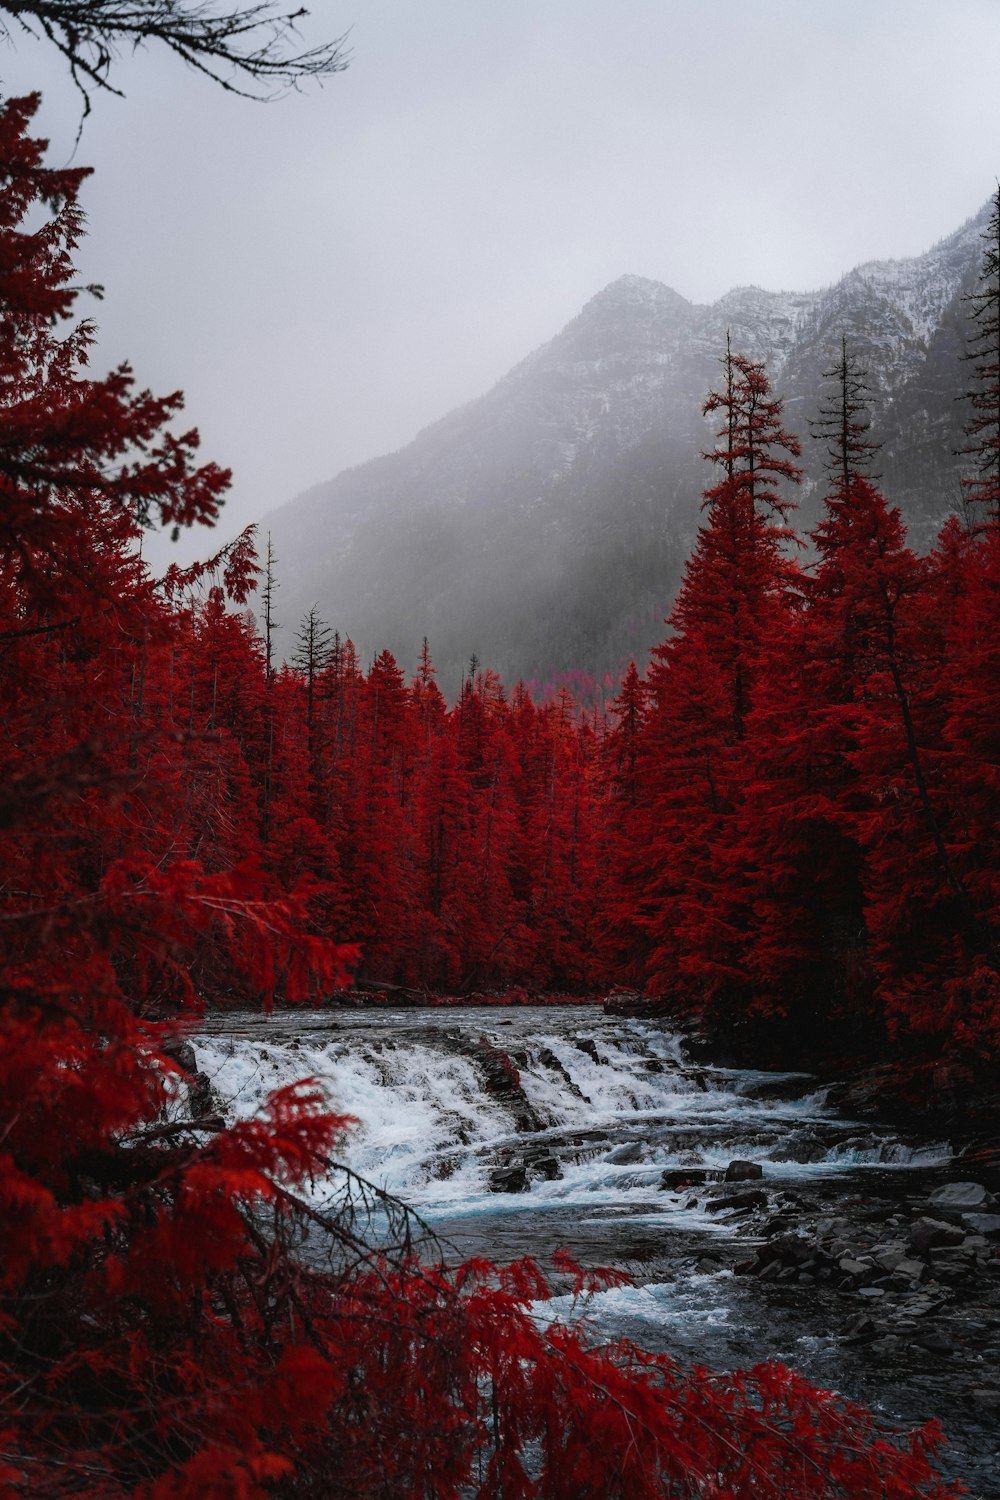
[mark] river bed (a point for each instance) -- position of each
(518, 1131)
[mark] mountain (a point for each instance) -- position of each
(544, 526)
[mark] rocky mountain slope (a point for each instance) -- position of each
(544, 526)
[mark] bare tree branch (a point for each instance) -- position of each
(247, 49)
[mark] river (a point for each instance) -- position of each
(516, 1131)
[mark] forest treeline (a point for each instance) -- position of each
(794, 809)
(787, 826)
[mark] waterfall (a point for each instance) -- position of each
(465, 1112)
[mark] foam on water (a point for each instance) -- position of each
(612, 1102)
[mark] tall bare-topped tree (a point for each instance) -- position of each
(982, 485)
(271, 584)
(844, 421)
(247, 49)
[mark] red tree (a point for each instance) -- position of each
(163, 1335)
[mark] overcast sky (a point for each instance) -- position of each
(326, 274)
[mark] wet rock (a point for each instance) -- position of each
(988, 1224)
(587, 1045)
(743, 1171)
(752, 1198)
(676, 1179)
(908, 1270)
(950, 1263)
(926, 1233)
(860, 1145)
(962, 1197)
(509, 1180)
(778, 1224)
(856, 1270)
(860, 1330)
(503, 1082)
(624, 1156)
(803, 1148)
(788, 1250)
(547, 1167)
(832, 1228)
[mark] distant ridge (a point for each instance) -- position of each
(544, 526)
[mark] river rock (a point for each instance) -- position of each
(587, 1045)
(926, 1233)
(857, 1270)
(988, 1224)
(787, 1250)
(962, 1197)
(624, 1156)
(752, 1198)
(547, 1167)
(803, 1148)
(860, 1330)
(905, 1272)
(743, 1171)
(675, 1179)
(509, 1180)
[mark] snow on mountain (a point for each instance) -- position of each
(544, 526)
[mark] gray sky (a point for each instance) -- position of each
(325, 275)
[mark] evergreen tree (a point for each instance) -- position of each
(312, 655)
(844, 420)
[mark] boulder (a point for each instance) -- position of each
(675, 1179)
(988, 1224)
(926, 1234)
(962, 1197)
(743, 1171)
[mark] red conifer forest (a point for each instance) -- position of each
(786, 827)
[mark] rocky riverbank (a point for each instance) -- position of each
(756, 1221)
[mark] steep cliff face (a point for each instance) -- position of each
(545, 526)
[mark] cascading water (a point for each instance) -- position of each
(559, 1108)
(517, 1131)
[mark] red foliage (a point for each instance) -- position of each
(181, 1315)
